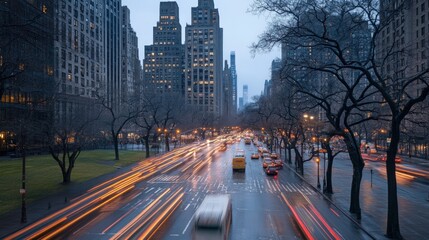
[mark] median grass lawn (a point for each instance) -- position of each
(44, 175)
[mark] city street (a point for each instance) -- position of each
(159, 197)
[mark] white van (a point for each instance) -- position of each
(213, 218)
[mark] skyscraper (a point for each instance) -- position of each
(234, 81)
(112, 49)
(276, 68)
(245, 95)
(131, 66)
(240, 104)
(163, 63)
(228, 106)
(203, 59)
(80, 70)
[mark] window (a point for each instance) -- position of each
(44, 9)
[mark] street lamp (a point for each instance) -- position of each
(323, 150)
(318, 180)
(178, 136)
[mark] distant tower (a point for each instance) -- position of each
(240, 104)
(245, 95)
(228, 105)
(203, 59)
(163, 63)
(234, 82)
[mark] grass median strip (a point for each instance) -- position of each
(44, 176)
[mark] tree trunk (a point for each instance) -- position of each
(289, 149)
(67, 176)
(115, 145)
(328, 188)
(146, 143)
(167, 143)
(393, 229)
(358, 165)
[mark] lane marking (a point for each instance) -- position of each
(187, 225)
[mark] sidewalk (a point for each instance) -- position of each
(412, 197)
(10, 222)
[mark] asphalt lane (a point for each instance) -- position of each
(259, 212)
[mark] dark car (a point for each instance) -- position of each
(271, 170)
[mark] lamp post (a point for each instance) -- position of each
(178, 136)
(318, 179)
(323, 150)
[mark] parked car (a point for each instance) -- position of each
(383, 158)
(271, 170)
(274, 155)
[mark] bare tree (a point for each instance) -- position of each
(400, 87)
(146, 120)
(117, 118)
(171, 106)
(69, 135)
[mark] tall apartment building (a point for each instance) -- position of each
(26, 71)
(88, 54)
(245, 94)
(228, 104)
(203, 59)
(276, 81)
(404, 39)
(163, 63)
(112, 50)
(406, 36)
(80, 70)
(234, 81)
(131, 66)
(267, 88)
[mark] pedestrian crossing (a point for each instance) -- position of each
(165, 179)
(262, 186)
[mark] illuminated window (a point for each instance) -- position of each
(44, 9)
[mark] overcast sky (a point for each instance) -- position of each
(240, 29)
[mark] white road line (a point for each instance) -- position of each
(187, 206)
(187, 225)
